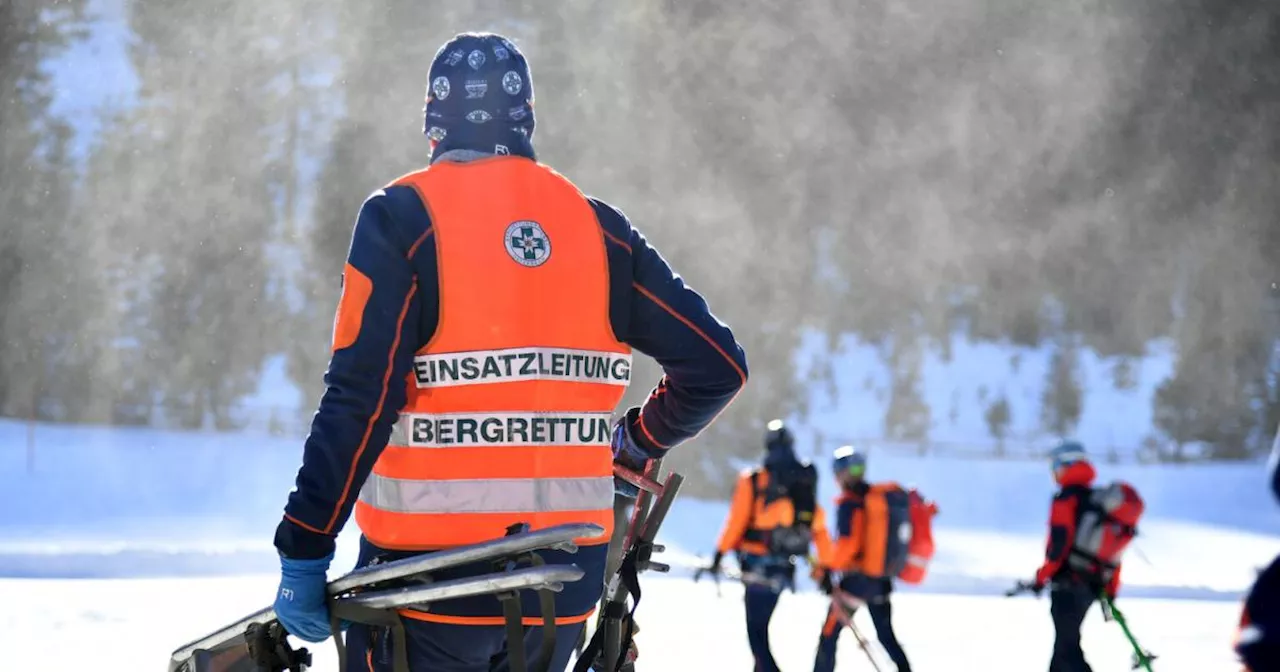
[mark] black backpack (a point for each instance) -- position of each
(801, 487)
(898, 531)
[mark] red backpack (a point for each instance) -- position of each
(1106, 523)
(920, 546)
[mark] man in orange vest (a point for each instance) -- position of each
(481, 343)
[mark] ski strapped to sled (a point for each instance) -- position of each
(373, 594)
(611, 643)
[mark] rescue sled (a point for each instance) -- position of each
(257, 643)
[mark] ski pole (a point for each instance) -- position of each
(1141, 657)
(864, 645)
(1020, 588)
(839, 601)
(715, 576)
(747, 579)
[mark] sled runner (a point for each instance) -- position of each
(257, 643)
(611, 648)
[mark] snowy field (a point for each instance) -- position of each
(118, 545)
(133, 624)
(105, 552)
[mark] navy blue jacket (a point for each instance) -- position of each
(1274, 466)
(1259, 639)
(650, 308)
(1258, 642)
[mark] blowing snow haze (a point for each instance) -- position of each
(1065, 180)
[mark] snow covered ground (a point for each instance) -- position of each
(114, 503)
(1206, 530)
(121, 544)
(133, 624)
(124, 544)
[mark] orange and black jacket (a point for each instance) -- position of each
(1258, 641)
(750, 519)
(1064, 517)
(649, 308)
(862, 530)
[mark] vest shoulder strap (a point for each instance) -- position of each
(755, 496)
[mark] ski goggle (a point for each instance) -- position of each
(848, 460)
(1060, 463)
(855, 470)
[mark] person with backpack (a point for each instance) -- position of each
(773, 519)
(1258, 640)
(1089, 528)
(483, 339)
(876, 536)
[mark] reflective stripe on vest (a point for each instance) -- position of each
(508, 416)
(513, 364)
(495, 495)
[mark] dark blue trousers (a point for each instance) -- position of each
(875, 592)
(1069, 602)
(760, 602)
(441, 647)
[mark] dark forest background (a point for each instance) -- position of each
(1080, 175)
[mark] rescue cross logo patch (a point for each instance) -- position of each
(528, 244)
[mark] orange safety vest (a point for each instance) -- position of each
(509, 404)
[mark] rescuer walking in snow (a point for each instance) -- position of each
(773, 519)
(1089, 528)
(870, 550)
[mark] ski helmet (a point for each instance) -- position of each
(777, 438)
(478, 81)
(1066, 454)
(849, 460)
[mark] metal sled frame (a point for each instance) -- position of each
(407, 584)
(614, 627)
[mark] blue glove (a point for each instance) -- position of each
(300, 602)
(627, 453)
